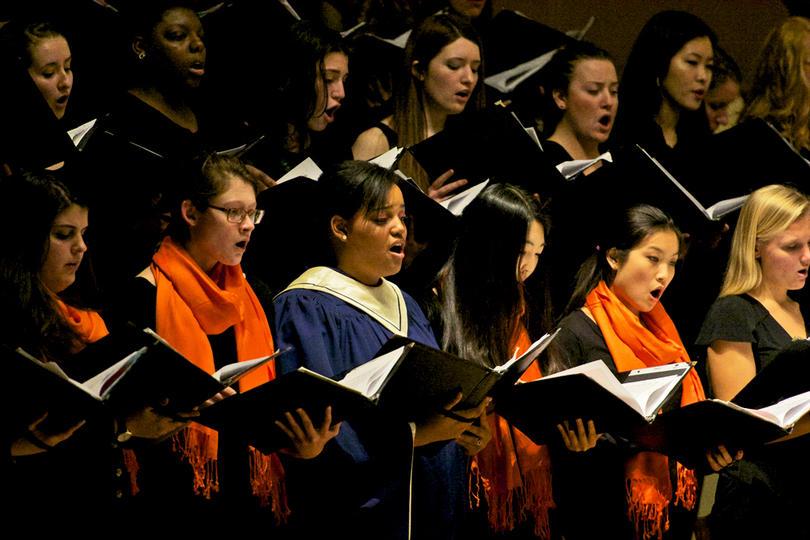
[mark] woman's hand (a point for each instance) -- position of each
(149, 423)
(260, 178)
(476, 436)
(720, 458)
(581, 439)
(308, 442)
(228, 392)
(439, 427)
(24, 447)
(440, 192)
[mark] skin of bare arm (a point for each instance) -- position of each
(371, 143)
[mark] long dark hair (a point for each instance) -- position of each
(300, 70)
(662, 37)
(482, 295)
(558, 73)
(33, 321)
(625, 233)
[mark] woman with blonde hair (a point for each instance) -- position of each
(780, 92)
(754, 319)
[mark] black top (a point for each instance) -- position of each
(599, 472)
(744, 319)
(390, 135)
(556, 152)
(581, 341)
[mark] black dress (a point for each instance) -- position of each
(765, 494)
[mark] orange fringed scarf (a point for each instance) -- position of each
(88, 324)
(514, 472)
(634, 345)
(190, 306)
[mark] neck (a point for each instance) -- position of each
(172, 104)
(436, 120)
(766, 292)
(205, 263)
(577, 147)
(667, 118)
(354, 272)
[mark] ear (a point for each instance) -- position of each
(612, 259)
(339, 227)
(138, 46)
(418, 73)
(756, 251)
(559, 98)
(189, 212)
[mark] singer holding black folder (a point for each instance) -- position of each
(615, 315)
(47, 288)
(485, 312)
(751, 321)
(337, 317)
(195, 296)
(442, 78)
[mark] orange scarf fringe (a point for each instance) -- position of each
(514, 473)
(190, 306)
(634, 345)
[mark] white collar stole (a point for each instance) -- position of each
(384, 302)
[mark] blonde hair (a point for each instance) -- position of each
(766, 213)
(780, 92)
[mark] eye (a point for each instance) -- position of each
(653, 258)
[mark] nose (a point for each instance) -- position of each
(247, 223)
(704, 73)
(196, 44)
(527, 268)
(806, 255)
(65, 81)
(467, 76)
(665, 273)
(80, 246)
(338, 91)
(399, 228)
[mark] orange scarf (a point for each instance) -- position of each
(634, 345)
(88, 324)
(515, 472)
(191, 306)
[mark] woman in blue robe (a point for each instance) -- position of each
(336, 318)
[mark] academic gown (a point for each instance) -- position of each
(362, 476)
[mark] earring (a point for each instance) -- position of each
(344, 238)
(141, 55)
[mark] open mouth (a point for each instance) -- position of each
(656, 293)
(198, 68)
(605, 120)
(803, 272)
(63, 99)
(242, 245)
(330, 113)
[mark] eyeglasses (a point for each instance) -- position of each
(237, 215)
